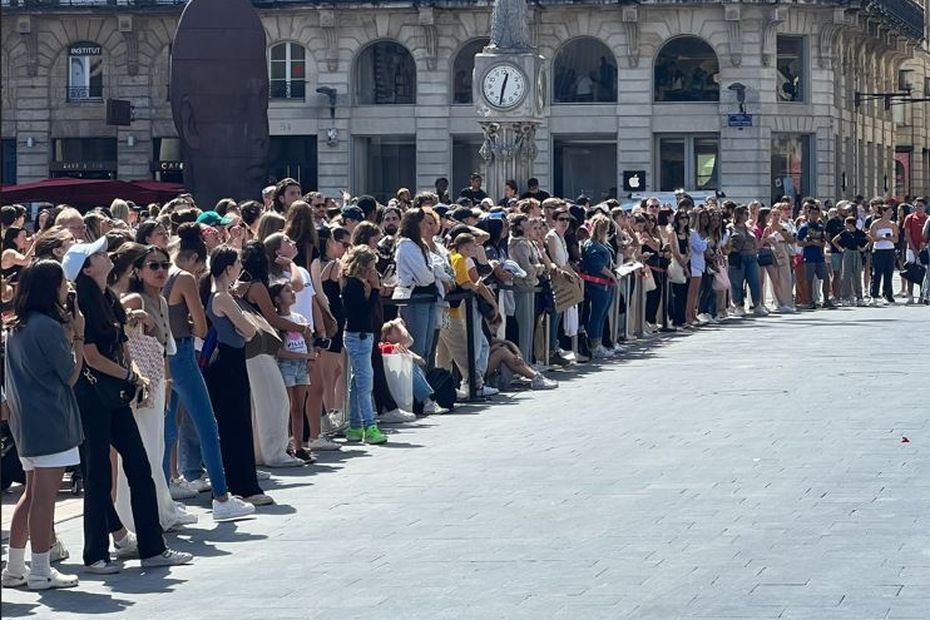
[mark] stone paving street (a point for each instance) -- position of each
(755, 470)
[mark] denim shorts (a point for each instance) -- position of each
(294, 372)
(836, 261)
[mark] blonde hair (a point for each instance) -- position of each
(600, 224)
(268, 224)
(396, 325)
(119, 210)
(357, 261)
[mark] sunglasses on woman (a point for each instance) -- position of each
(158, 265)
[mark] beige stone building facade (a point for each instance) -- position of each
(649, 87)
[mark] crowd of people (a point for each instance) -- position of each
(163, 351)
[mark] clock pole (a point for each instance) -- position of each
(511, 97)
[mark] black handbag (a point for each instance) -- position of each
(913, 272)
(766, 257)
(112, 393)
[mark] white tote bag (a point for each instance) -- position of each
(570, 321)
(398, 371)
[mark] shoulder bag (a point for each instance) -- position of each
(266, 340)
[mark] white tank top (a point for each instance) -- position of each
(882, 244)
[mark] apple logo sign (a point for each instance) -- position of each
(634, 181)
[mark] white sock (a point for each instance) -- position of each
(125, 540)
(40, 564)
(16, 563)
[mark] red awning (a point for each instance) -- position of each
(86, 194)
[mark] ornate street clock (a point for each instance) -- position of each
(504, 86)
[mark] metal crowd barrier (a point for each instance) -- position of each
(466, 297)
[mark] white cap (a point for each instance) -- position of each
(74, 259)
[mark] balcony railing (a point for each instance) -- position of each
(907, 16)
(84, 93)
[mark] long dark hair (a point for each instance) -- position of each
(124, 259)
(136, 285)
(9, 237)
(102, 311)
(336, 233)
(221, 258)
(494, 228)
(300, 228)
(410, 228)
(255, 262)
(37, 291)
(145, 230)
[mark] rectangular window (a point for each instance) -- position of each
(585, 166)
(792, 68)
(8, 162)
(167, 163)
(295, 157)
(287, 71)
(85, 158)
(465, 161)
(85, 72)
(689, 162)
(792, 166)
(383, 164)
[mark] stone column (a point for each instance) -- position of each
(509, 150)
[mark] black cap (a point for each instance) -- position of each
(351, 212)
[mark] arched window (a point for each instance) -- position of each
(585, 71)
(687, 70)
(85, 71)
(385, 73)
(463, 68)
(287, 71)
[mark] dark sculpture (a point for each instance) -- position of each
(219, 99)
(509, 27)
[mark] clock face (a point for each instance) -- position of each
(504, 86)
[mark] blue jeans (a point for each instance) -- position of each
(188, 387)
(599, 298)
(361, 377)
(421, 387)
(421, 323)
(747, 270)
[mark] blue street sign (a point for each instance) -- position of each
(739, 120)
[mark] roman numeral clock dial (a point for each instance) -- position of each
(504, 86)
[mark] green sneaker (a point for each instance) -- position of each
(373, 434)
(355, 434)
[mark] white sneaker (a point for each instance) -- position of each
(179, 488)
(182, 517)
(261, 474)
(201, 484)
(540, 367)
(129, 549)
(397, 416)
(760, 310)
(703, 318)
(431, 407)
(102, 567)
(168, 557)
(487, 390)
(600, 353)
(540, 382)
(322, 444)
(12, 580)
(230, 510)
(58, 552)
(739, 312)
(617, 349)
(54, 579)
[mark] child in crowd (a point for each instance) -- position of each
(396, 339)
(294, 361)
(852, 241)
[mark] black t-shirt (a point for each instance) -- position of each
(359, 309)
(539, 195)
(104, 329)
(834, 227)
(475, 195)
(855, 240)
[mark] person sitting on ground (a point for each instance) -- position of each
(396, 339)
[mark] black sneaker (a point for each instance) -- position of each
(813, 306)
(305, 455)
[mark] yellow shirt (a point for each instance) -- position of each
(460, 267)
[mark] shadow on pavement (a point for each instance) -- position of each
(80, 602)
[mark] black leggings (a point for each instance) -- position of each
(228, 384)
(654, 297)
(114, 427)
(678, 303)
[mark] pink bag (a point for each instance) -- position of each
(149, 357)
(721, 279)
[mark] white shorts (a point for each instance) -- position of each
(48, 461)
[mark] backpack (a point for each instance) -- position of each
(443, 386)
